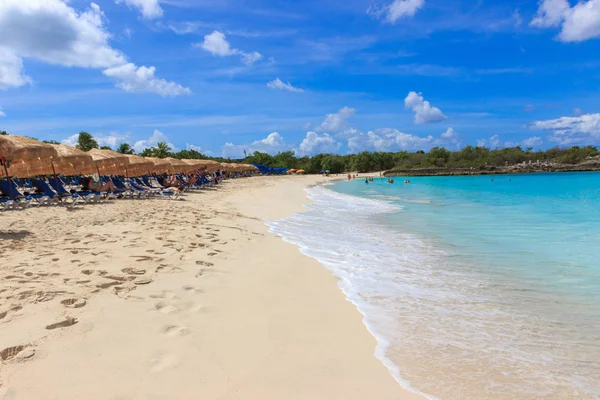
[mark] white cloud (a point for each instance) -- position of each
(577, 112)
(216, 44)
(336, 122)
(152, 141)
(570, 131)
(279, 84)
(578, 23)
(387, 139)
(534, 141)
(425, 113)
(198, 149)
(2, 113)
(550, 13)
(150, 9)
(396, 10)
(112, 140)
(128, 32)
(11, 70)
(449, 139)
(517, 18)
(53, 32)
(272, 144)
(184, 27)
(131, 78)
(251, 58)
(314, 143)
(493, 142)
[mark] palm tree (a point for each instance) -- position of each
(86, 142)
(162, 150)
(125, 148)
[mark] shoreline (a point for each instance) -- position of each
(234, 312)
(468, 172)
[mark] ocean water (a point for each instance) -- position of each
(474, 289)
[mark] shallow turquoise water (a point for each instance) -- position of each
(543, 228)
(475, 287)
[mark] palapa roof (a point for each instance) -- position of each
(161, 165)
(178, 166)
(28, 157)
(109, 162)
(138, 166)
(72, 161)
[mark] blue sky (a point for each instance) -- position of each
(311, 76)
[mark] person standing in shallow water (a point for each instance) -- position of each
(367, 181)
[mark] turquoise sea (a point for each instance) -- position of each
(479, 287)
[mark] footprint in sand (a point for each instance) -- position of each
(87, 271)
(106, 285)
(11, 352)
(205, 263)
(133, 271)
(73, 303)
(166, 309)
(162, 362)
(175, 330)
(212, 254)
(63, 324)
(142, 281)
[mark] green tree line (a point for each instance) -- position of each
(437, 157)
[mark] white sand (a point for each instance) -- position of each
(231, 310)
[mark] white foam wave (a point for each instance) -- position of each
(432, 311)
(355, 250)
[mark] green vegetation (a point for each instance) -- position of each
(86, 142)
(125, 148)
(469, 157)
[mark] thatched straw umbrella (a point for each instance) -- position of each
(138, 166)
(109, 162)
(25, 156)
(72, 161)
(160, 165)
(179, 166)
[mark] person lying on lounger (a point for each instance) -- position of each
(89, 184)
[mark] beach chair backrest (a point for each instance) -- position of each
(46, 189)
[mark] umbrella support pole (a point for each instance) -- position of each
(10, 188)
(55, 176)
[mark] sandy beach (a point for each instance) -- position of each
(158, 299)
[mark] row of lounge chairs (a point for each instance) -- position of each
(23, 193)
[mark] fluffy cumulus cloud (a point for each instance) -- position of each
(449, 139)
(279, 84)
(387, 139)
(272, 144)
(152, 141)
(397, 9)
(315, 143)
(493, 142)
(113, 140)
(149, 9)
(11, 70)
(53, 32)
(577, 23)
(425, 113)
(337, 122)
(216, 44)
(570, 131)
(131, 78)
